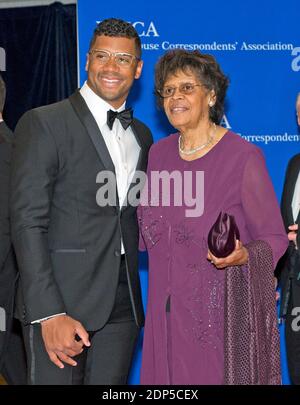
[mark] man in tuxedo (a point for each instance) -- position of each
(12, 352)
(290, 276)
(79, 295)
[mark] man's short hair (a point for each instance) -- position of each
(2, 93)
(114, 27)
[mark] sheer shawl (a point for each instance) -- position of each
(251, 337)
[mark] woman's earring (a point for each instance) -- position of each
(211, 103)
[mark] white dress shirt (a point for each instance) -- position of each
(296, 199)
(121, 144)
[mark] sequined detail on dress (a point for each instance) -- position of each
(205, 305)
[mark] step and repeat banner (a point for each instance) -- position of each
(257, 44)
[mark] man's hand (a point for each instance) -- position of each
(238, 257)
(292, 235)
(59, 335)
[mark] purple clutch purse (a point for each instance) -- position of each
(222, 235)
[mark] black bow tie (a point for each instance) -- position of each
(125, 117)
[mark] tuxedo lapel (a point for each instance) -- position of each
(92, 128)
(142, 145)
(141, 164)
(289, 188)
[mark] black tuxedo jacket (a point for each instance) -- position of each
(69, 248)
(7, 264)
(290, 273)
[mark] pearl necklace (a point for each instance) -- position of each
(192, 151)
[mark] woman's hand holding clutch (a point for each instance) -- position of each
(237, 258)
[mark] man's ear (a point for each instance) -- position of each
(87, 62)
(139, 69)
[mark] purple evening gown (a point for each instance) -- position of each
(183, 339)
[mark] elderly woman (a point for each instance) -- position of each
(209, 320)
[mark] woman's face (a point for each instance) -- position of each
(187, 111)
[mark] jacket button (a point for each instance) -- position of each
(117, 253)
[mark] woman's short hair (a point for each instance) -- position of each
(205, 68)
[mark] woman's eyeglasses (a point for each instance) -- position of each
(184, 88)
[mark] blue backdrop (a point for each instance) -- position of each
(257, 44)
